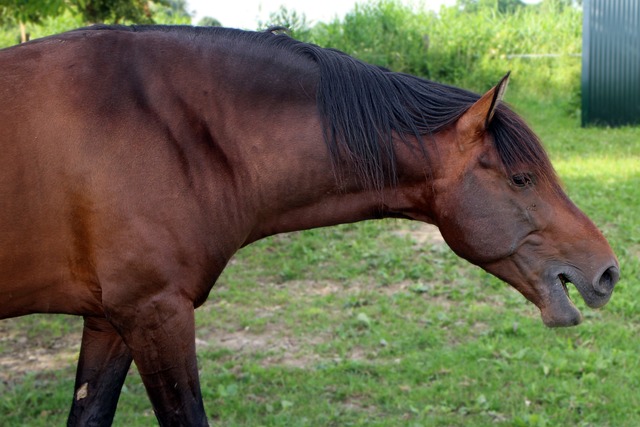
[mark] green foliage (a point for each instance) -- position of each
(170, 12)
(99, 11)
(295, 23)
(208, 21)
(471, 44)
(502, 6)
(487, 43)
(30, 10)
(19, 13)
(10, 30)
(45, 17)
(386, 33)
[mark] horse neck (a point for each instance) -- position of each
(283, 175)
(302, 192)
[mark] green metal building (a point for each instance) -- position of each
(611, 62)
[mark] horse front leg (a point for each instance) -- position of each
(161, 336)
(102, 368)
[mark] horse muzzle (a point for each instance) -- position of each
(598, 292)
(558, 310)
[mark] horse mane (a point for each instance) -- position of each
(364, 107)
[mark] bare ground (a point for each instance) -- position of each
(24, 356)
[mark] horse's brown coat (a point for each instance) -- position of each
(134, 164)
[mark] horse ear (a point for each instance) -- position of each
(477, 118)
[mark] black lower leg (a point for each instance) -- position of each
(102, 369)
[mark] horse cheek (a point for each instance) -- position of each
(486, 225)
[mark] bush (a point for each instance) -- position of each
(467, 46)
(385, 33)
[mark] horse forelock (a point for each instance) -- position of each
(519, 148)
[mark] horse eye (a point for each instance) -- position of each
(522, 180)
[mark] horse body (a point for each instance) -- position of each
(83, 187)
(135, 163)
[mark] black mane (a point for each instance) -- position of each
(364, 107)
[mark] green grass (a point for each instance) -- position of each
(358, 325)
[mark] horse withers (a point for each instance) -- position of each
(135, 161)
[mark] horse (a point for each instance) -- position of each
(135, 161)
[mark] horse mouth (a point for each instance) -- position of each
(563, 281)
(559, 310)
(556, 306)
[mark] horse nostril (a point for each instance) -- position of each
(607, 281)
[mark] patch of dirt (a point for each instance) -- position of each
(354, 404)
(29, 356)
(315, 288)
(421, 233)
(273, 341)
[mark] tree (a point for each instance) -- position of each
(23, 12)
(114, 11)
(170, 12)
(295, 23)
(502, 6)
(208, 21)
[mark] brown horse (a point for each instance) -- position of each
(135, 161)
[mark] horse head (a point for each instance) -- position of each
(498, 204)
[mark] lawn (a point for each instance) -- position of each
(380, 324)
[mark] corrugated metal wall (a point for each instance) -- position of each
(611, 62)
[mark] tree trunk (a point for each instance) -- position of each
(23, 33)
